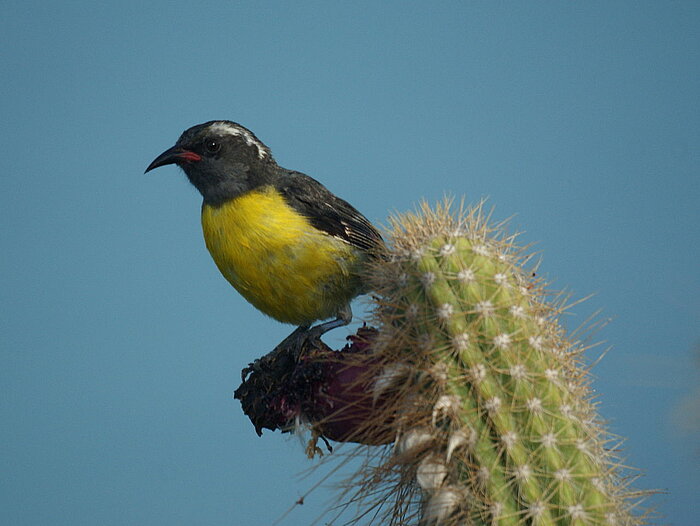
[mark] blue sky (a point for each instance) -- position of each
(120, 344)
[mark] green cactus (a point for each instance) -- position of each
(494, 386)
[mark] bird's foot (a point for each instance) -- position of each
(301, 338)
(315, 332)
(296, 339)
(344, 318)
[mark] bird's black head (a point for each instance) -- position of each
(222, 159)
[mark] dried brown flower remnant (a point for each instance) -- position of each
(332, 391)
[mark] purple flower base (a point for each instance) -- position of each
(330, 390)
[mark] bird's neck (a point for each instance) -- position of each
(219, 190)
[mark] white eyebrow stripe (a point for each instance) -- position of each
(224, 128)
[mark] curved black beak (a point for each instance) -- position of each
(174, 155)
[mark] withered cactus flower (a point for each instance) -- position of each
(320, 387)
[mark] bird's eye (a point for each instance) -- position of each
(212, 146)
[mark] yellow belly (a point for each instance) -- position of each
(277, 260)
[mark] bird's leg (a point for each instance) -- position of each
(344, 318)
(294, 343)
(298, 335)
(304, 333)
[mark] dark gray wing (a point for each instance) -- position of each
(329, 213)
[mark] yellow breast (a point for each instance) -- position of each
(277, 260)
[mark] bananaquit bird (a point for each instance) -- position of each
(285, 242)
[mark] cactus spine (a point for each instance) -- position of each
(495, 424)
